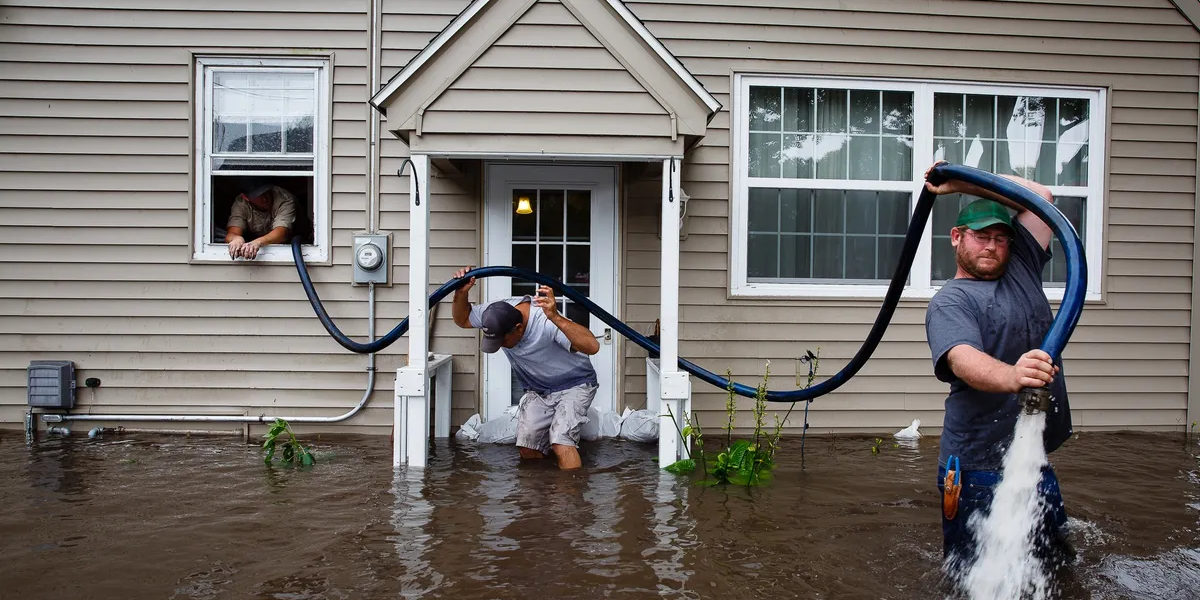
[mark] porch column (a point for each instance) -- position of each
(411, 409)
(674, 384)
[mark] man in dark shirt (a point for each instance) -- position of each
(984, 328)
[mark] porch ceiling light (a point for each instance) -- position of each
(523, 207)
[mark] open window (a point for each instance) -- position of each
(262, 122)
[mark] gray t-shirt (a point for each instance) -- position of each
(1004, 318)
(543, 361)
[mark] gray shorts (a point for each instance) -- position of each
(553, 419)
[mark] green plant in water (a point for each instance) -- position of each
(294, 453)
(741, 462)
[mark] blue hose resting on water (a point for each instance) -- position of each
(1055, 340)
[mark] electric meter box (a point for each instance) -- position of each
(51, 384)
(371, 259)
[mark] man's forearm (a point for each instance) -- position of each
(980, 371)
(462, 310)
(275, 236)
(581, 337)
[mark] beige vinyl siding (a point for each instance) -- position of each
(454, 218)
(95, 207)
(1127, 361)
(545, 79)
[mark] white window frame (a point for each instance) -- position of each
(319, 250)
(920, 284)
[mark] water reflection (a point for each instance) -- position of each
(411, 514)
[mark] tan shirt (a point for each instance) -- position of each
(257, 223)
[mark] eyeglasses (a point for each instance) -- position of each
(1001, 239)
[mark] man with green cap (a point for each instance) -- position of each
(984, 329)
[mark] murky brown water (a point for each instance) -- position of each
(137, 516)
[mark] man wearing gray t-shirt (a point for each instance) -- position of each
(548, 354)
(984, 329)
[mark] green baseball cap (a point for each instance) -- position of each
(983, 213)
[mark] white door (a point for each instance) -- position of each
(570, 235)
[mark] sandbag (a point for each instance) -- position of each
(639, 426)
(501, 430)
(590, 431)
(469, 430)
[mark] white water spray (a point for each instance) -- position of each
(1006, 567)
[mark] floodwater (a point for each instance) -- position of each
(136, 516)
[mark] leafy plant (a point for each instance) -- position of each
(294, 453)
(742, 462)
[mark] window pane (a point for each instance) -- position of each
(795, 211)
(831, 156)
(764, 109)
(798, 109)
(897, 112)
(229, 136)
(980, 117)
(860, 257)
(524, 227)
(864, 158)
(861, 212)
(300, 135)
(764, 210)
(795, 256)
(828, 212)
(896, 159)
(550, 260)
(864, 111)
(578, 264)
(524, 256)
(764, 155)
(266, 137)
(762, 255)
(827, 257)
(893, 212)
(550, 215)
(947, 115)
(578, 314)
(798, 156)
(1072, 159)
(832, 109)
(579, 215)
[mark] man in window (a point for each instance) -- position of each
(549, 357)
(263, 215)
(984, 328)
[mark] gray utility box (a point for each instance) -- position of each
(52, 384)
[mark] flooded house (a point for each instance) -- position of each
(782, 144)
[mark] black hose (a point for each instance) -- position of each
(1064, 322)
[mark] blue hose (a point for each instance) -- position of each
(1056, 338)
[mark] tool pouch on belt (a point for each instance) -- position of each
(952, 487)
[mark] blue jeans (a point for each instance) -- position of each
(978, 488)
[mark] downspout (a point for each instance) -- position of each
(372, 197)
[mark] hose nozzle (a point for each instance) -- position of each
(1034, 400)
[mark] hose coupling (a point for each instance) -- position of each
(1034, 400)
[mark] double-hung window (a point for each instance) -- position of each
(827, 173)
(262, 123)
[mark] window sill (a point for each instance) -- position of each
(785, 291)
(272, 254)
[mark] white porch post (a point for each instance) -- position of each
(411, 437)
(674, 384)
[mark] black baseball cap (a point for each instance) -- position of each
(499, 320)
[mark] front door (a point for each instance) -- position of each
(560, 221)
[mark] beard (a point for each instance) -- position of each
(972, 264)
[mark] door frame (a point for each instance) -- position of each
(599, 178)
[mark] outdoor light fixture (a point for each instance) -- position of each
(523, 207)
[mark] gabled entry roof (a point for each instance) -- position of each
(546, 76)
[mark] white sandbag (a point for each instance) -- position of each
(610, 424)
(590, 431)
(910, 432)
(501, 430)
(469, 430)
(639, 426)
